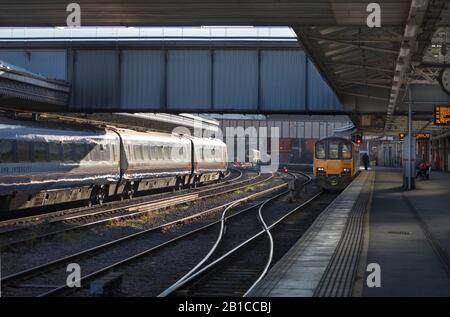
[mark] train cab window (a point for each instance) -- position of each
(333, 150)
(23, 151)
(54, 151)
(346, 151)
(40, 151)
(320, 151)
(67, 152)
(6, 151)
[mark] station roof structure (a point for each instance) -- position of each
(19, 87)
(369, 69)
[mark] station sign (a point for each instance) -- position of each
(441, 115)
(418, 136)
(423, 136)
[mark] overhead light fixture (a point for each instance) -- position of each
(226, 26)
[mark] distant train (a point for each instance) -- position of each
(254, 157)
(336, 162)
(50, 163)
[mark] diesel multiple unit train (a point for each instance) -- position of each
(336, 162)
(50, 163)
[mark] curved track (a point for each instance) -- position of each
(33, 280)
(134, 210)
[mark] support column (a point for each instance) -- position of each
(409, 152)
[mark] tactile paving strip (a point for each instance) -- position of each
(307, 264)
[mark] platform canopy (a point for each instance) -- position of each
(369, 69)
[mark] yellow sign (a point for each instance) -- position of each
(441, 115)
(423, 136)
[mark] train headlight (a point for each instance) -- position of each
(346, 170)
(320, 169)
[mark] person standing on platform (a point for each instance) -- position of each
(366, 160)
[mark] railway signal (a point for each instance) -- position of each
(357, 138)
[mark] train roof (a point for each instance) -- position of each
(154, 136)
(335, 138)
(10, 128)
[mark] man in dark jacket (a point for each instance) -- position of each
(366, 160)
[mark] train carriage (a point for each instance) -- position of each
(153, 160)
(209, 159)
(336, 162)
(43, 165)
(51, 163)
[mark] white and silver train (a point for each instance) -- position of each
(49, 163)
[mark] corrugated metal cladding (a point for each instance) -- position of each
(142, 82)
(96, 80)
(48, 63)
(283, 80)
(293, 129)
(189, 79)
(235, 79)
(320, 96)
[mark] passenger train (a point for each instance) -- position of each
(51, 163)
(336, 162)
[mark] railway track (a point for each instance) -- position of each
(35, 281)
(234, 270)
(20, 219)
(71, 223)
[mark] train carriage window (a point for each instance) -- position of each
(159, 153)
(333, 150)
(136, 154)
(54, 153)
(80, 152)
(320, 151)
(146, 152)
(67, 152)
(167, 155)
(104, 152)
(6, 151)
(23, 151)
(153, 152)
(346, 151)
(40, 151)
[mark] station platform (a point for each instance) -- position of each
(405, 234)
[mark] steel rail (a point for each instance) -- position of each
(61, 213)
(14, 278)
(219, 239)
(143, 208)
(212, 264)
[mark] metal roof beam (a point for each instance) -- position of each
(371, 67)
(364, 47)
